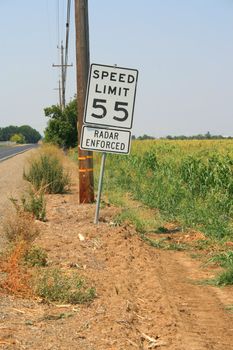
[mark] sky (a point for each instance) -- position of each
(182, 49)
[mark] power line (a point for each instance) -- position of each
(67, 39)
(58, 22)
(63, 57)
(63, 66)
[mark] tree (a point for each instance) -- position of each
(146, 137)
(62, 126)
(18, 138)
(7, 132)
(30, 135)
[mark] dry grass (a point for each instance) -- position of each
(49, 150)
(20, 230)
(20, 227)
(16, 279)
(46, 171)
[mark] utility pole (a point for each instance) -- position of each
(62, 77)
(86, 178)
(59, 88)
(62, 91)
(59, 93)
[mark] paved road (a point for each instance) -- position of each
(6, 152)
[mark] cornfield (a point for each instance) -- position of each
(190, 182)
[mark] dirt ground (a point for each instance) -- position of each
(146, 298)
(11, 185)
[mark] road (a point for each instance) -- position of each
(7, 152)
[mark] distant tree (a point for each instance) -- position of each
(206, 136)
(62, 125)
(145, 137)
(18, 138)
(30, 135)
(7, 132)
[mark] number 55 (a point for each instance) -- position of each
(99, 104)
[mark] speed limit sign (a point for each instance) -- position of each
(110, 96)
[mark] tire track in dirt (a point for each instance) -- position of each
(201, 316)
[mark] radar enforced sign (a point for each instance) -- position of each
(109, 104)
(105, 140)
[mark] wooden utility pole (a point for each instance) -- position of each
(59, 93)
(86, 179)
(62, 77)
(63, 66)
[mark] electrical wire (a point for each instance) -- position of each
(67, 40)
(58, 22)
(63, 57)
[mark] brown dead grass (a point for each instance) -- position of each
(21, 230)
(16, 279)
(49, 150)
(20, 227)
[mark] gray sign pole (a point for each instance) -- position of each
(100, 188)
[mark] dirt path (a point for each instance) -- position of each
(11, 185)
(142, 292)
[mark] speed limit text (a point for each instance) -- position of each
(106, 86)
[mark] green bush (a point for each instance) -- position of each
(53, 285)
(46, 173)
(35, 204)
(36, 257)
(225, 278)
(224, 259)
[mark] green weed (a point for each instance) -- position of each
(229, 308)
(225, 278)
(54, 285)
(224, 259)
(36, 257)
(156, 243)
(35, 204)
(202, 244)
(129, 216)
(32, 202)
(46, 172)
(163, 243)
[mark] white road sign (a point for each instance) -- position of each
(110, 96)
(105, 140)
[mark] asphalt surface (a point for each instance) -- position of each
(6, 152)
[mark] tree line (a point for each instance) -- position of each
(19, 134)
(206, 136)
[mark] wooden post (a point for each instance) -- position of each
(86, 179)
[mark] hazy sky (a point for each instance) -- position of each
(183, 50)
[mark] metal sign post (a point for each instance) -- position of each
(104, 155)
